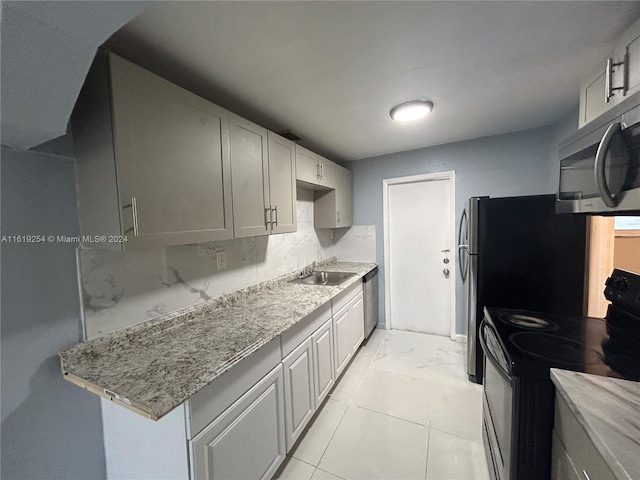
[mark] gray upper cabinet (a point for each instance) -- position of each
(307, 168)
(313, 171)
(249, 178)
(596, 94)
(282, 184)
(153, 160)
(327, 177)
(263, 176)
(333, 208)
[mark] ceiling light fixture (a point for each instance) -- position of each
(412, 110)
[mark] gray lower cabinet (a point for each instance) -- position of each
(573, 453)
(152, 160)
(323, 361)
(348, 324)
(344, 350)
(299, 388)
(356, 322)
(247, 441)
(242, 424)
(562, 467)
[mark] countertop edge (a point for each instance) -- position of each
(149, 411)
(559, 377)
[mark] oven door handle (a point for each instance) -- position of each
(487, 351)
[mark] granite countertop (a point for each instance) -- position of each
(608, 409)
(157, 365)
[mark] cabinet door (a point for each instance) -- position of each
(342, 340)
(343, 197)
(282, 183)
(323, 361)
(249, 178)
(247, 440)
(630, 50)
(299, 393)
(592, 102)
(172, 160)
(356, 321)
(307, 169)
(327, 174)
(562, 467)
(592, 91)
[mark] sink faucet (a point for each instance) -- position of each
(307, 271)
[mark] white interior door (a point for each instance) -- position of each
(420, 255)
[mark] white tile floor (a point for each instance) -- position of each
(403, 410)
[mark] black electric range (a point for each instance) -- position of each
(521, 346)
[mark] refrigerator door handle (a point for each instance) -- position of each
(463, 246)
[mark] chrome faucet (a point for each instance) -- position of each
(307, 271)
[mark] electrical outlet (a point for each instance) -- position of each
(221, 259)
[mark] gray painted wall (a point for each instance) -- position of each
(51, 429)
(564, 127)
(503, 165)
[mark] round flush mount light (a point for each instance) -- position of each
(412, 110)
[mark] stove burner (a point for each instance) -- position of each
(554, 349)
(528, 321)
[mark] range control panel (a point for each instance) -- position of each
(622, 288)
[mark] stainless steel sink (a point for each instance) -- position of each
(324, 278)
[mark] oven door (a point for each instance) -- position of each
(497, 405)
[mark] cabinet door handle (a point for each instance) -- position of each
(338, 217)
(267, 222)
(586, 475)
(134, 210)
(318, 174)
(322, 170)
(608, 78)
(275, 209)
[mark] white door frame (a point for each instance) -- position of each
(386, 183)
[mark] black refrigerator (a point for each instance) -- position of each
(516, 252)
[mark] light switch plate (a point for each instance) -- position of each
(221, 259)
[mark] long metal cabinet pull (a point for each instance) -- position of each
(608, 78)
(267, 222)
(275, 209)
(134, 209)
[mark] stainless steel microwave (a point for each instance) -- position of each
(600, 164)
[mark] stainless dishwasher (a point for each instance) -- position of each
(370, 281)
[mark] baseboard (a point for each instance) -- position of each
(460, 339)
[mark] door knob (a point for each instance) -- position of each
(446, 260)
(446, 272)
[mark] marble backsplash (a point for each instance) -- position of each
(120, 289)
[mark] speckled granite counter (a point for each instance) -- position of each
(609, 411)
(157, 365)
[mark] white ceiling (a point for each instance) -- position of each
(330, 71)
(47, 48)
